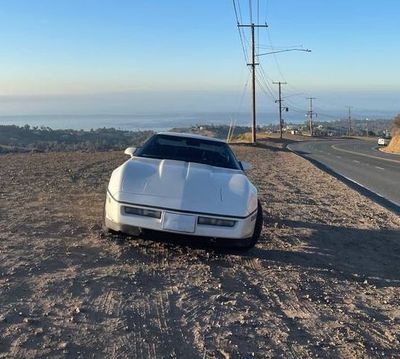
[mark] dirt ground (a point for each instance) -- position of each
(324, 280)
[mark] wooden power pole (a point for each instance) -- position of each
(349, 119)
(280, 106)
(310, 115)
(253, 65)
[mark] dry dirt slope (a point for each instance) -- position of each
(323, 281)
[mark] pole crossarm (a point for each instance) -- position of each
(252, 25)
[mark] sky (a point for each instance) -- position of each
(131, 56)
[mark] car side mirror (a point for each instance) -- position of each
(130, 151)
(245, 165)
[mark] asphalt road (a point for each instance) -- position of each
(359, 161)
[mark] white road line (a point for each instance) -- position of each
(339, 156)
(379, 168)
(356, 161)
(365, 155)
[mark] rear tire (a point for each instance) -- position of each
(248, 243)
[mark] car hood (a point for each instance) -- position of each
(184, 186)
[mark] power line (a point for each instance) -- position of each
(275, 58)
(261, 67)
(269, 47)
(258, 29)
(321, 112)
(266, 83)
(293, 95)
(294, 105)
(272, 47)
(266, 90)
(234, 8)
(250, 11)
(241, 35)
(266, 10)
(240, 103)
(240, 11)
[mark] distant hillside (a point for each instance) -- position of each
(44, 139)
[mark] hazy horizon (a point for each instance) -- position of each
(142, 103)
(85, 58)
(162, 121)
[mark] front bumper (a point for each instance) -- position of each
(118, 220)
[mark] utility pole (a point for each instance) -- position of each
(253, 65)
(349, 119)
(279, 83)
(310, 115)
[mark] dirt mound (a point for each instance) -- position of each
(394, 145)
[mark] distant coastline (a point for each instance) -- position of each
(26, 138)
(154, 122)
(134, 122)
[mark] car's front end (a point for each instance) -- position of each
(132, 218)
(184, 184)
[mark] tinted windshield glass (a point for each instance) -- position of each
(189, 150)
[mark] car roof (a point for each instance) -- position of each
(190, 135)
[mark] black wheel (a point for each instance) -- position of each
(249, 243)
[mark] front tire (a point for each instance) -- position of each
(248, 243)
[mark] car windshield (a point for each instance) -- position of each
(189, 149)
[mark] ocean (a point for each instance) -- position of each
(156, 122)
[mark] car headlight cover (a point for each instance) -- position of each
(209, 221)
(142, 212)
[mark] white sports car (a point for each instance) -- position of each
(187, 184)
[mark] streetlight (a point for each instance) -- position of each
(287, 50)
(281, 83)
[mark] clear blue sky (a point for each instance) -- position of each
(66, 56)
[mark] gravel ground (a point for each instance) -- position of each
(322, 282)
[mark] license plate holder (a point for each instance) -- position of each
(179, 222)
